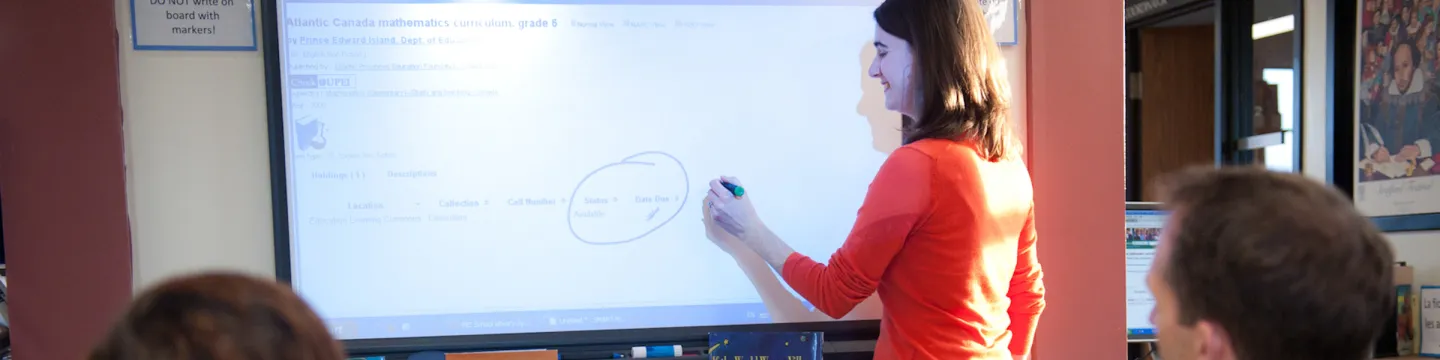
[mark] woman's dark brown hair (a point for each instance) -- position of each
(219, 317)
(959, 75)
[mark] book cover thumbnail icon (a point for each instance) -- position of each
(309, 134)
(771, 345)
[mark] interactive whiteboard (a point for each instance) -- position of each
(493, 167)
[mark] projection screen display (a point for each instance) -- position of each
(496, 167)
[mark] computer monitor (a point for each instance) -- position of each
(1142, 233)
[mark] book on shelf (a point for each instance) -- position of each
(766, 345)
(506, 355)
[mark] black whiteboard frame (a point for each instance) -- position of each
(580, 340)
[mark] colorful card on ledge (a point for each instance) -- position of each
(1429, 321)
(1405, 320)
(773, 345)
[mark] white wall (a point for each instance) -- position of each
(1015, 63)
(1420, 249)
(198, 159)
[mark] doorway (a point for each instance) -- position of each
(1170, 119)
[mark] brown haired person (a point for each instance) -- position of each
(945, 236)
(1254, 264)
(219, 317)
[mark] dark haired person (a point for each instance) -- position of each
(219, 317)
(946, 235)
(1262, 265)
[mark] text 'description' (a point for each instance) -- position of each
(196, 25)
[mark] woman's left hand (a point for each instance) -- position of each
(722, 239)
(733, 213)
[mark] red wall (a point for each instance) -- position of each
(63, 187)
(62, 175)
(1077, 158)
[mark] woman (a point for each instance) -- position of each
(946, 235)
(219, 317)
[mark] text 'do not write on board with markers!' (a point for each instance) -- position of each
(193, 25)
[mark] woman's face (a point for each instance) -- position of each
(892, 66)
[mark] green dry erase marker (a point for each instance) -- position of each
(734, 189)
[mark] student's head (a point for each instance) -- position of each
(1404, 56)
(219, 317)
(1254, 264)
(941, 68)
